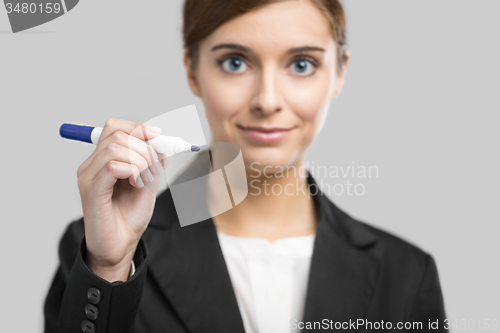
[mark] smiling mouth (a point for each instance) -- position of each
(265, 134)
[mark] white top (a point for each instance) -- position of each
(269, 279)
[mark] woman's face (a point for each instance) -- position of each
(266, 79)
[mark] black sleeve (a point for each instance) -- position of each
(76, 292)
(429, 305)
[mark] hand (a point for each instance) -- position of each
(118, 183)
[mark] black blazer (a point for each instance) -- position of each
(181, 283)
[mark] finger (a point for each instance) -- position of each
(130, 142)
(112, 125)
(115, 152)
(147, 176)
(140, 131)
(115, 170)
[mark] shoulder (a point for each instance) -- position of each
(400, 259)
(404, 270)
(403, 265)
(392, 251)
(394, 247)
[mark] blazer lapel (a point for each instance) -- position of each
(188, 265)
(342, 276)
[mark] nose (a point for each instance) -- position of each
(267, 99)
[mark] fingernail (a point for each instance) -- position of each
(150, 176)
(158, 168)
(153, 129)
(139, 182)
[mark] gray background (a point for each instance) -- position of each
(420, 102)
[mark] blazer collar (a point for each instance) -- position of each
(188, 265)
(343, 274)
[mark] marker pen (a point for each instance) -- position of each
(162, 144)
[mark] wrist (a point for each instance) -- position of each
(119, 272)
(111, 274)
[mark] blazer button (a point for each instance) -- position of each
(91, 311)
(88, 326)
(94, 295)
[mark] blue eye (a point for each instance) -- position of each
(303, 67)
(234, 65)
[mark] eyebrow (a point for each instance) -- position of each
(305, 48)
(232, 47)
(246, 49)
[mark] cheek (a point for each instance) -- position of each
(310, 99)
(222, 97)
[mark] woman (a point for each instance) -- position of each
(266, 72)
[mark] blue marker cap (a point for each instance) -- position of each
(76, 132)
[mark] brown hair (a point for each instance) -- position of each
(202, 17)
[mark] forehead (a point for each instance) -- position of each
(277, 26)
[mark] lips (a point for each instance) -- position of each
(265, 134)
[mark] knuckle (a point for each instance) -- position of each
(111, 166)
(110, 122)
(120, 136)
(112, 148)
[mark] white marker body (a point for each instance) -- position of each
(162, 144)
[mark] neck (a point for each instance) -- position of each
(277, 206)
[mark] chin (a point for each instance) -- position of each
(267, 159)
